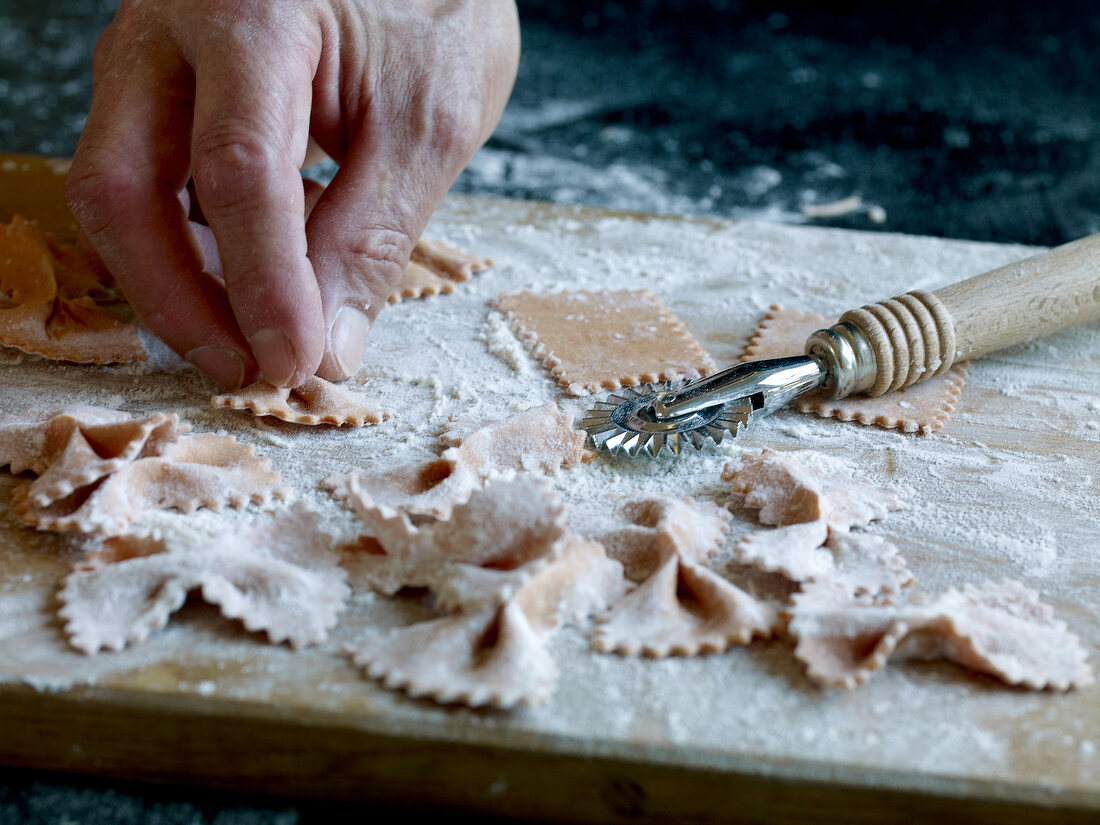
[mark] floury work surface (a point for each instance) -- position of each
(1006, 490)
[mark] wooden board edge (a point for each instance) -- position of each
(272, 753)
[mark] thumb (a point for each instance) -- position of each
(360, 234)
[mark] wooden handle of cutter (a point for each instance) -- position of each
(921, 334)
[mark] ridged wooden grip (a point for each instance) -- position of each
(921, 334)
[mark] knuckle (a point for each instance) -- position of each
(229, 159)
(457, 125)
(376, 257)
(245, 31)
(157, 317)
(259, 276)
(226, 23)
(98, 188)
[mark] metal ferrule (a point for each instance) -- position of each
(769, 385)
(846, 356)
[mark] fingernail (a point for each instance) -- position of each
(275, 355)
(348, 339)
(222, 364)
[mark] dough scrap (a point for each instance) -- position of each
(80, 272)
(540, 439)
(47, 301)
(495, 656)
(656, 527)
(33, 441)
(998, 628)
(316, 401)
(210, 471)
(26, 263)
(796, 551)
(276, 574)
(867, 565)
(97, 450)
(76, 330)
(419, 489)
(815, 512)
(788, 492)
(864, 564)
(922, 407)
(684, 609)
(434, 268)
(591, 341)
(489, 547)
(491, 657)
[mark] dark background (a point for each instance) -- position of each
(961, 119)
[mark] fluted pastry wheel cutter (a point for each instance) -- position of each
(873, 350)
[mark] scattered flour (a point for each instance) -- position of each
(502, 342)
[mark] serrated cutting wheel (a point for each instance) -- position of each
(626, 422)
(873, 350)
(648, 420)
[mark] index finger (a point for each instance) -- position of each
(248, 142)
(130, 162)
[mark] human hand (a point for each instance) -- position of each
(226, 94)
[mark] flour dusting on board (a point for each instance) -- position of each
(1008, 489)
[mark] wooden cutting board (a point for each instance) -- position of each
(33, 185)
(741, 737)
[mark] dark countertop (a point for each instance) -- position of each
(959, 119)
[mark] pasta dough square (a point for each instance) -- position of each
(592, 341)
(434, 268)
